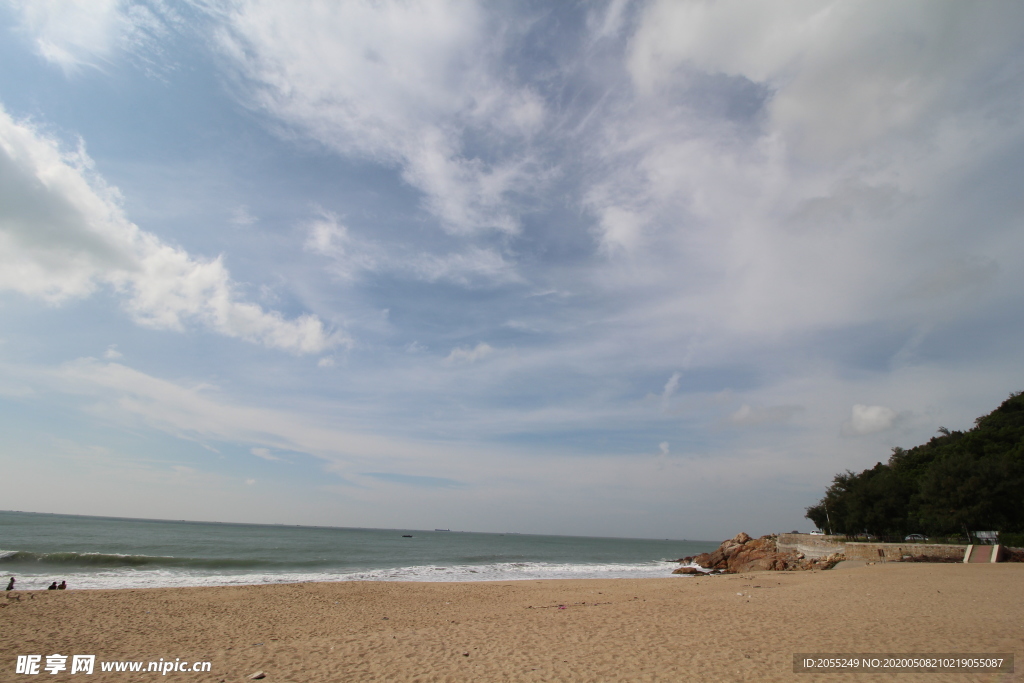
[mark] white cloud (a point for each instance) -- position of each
(327, 235)
(352, 258)
(782, 170)
(500, 481)
(778, 199)
(467, 355)
(242, 217)
(70, 33)
(200, 413)
(399, 82)
(112, 353)
(747, 416)
(265, 454)
(63, 234)
(869, 420)
(122, 395)
(74, 33)
(620, 228)
(611, 21)
(671, 387)
(844, 75)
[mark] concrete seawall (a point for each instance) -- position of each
(816, 547)
(810, 546)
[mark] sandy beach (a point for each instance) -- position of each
(743, 627)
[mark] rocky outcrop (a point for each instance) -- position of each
(742, 553)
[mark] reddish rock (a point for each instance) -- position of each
(693, 571)
(741, 553)
(760, 555)
(755, 561)
(719, 559)
(765, 544)
(702, 560)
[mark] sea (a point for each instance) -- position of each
(109, 552)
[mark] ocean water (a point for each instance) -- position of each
(106, 552)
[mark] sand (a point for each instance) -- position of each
(743, 627)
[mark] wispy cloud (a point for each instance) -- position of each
(72, 34)
(671, 387)
(353, 258)
(242, 217)
(75, 35)
(870, 420)
(264, 453)
(736, 189)
(63, 233)
(597, 259)
(402, 83)
(748, 416)
(470, 355)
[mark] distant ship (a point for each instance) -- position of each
(442, 529)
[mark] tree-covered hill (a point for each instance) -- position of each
(958, 480)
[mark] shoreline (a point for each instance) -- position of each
(742, 626)
(507, 571)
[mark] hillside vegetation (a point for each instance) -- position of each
(958, 480)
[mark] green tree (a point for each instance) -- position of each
(957, 479)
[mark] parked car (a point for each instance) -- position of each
(916, 537)
(817, 532)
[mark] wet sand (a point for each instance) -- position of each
(743, 627)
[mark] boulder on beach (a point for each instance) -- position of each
(693, 571)
(741, 553)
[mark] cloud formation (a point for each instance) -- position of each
(402, 83)
(869, 420)
(470, 355)
(353, 258)
(694, 236)
(781, 170)
(73, 35)
(264, 453)
(748, 416)
(63, 233)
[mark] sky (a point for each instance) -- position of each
(642, 269)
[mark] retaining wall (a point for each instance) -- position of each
(813, 547)
(895, 551)
(816, 547)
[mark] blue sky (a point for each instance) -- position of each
(654, 269)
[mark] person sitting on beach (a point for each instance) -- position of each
(52, 587)
(10, 586)
(63, 585)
